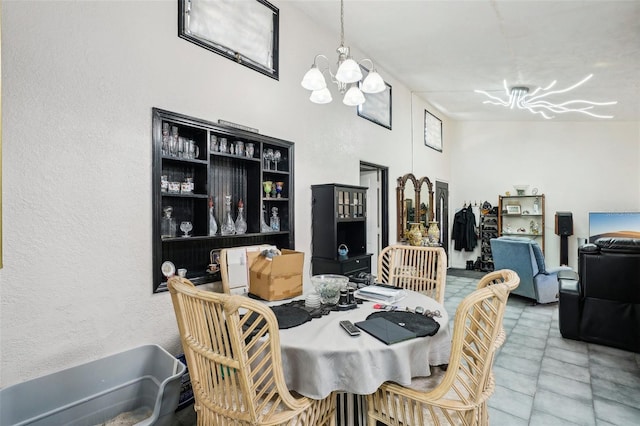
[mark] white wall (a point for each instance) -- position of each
(579, 166)
(79, 81)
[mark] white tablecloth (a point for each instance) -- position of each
(320, 357)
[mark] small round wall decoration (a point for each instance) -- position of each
(534, 191)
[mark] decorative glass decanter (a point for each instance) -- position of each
(168, 226)
(263, 221)
(213, 225)
(275, 220)
(241, 224)
(165, 139)
(228, 227)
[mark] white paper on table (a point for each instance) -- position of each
(380, 294)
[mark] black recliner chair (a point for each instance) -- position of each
(601, 303)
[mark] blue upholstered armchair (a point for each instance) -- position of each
(524, 256)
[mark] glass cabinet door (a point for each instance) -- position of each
(350, 203)
(359, 203)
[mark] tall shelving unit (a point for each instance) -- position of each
(216, 174)
(339, 217)
(522, 215)
(488, 230)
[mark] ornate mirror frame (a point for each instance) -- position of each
(402, 208)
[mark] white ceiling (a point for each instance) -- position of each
(444, 50)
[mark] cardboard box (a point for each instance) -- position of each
(277, 278)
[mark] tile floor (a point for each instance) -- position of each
(543, 379)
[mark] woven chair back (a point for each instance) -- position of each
(422, 269)
(461, 396)
(232, 348)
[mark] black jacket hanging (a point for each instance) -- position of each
(464, 230)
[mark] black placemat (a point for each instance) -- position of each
(287, 316)
(290, 316)
(419, 324)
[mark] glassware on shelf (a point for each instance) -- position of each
(240, 148)
(173, 187)
(275, 220)
(224, 147)
(187, 185)
(228, 226)
(279, 188)
(250, 150)
(168, 223)
(164, 183)
(268, 186)
(213, 143)
(186, 227)
(173, 142)
(263, 221)
(192, 151)
(166, 139)
(213, 225)
(277, 156)
(182, 147)
(268, 157)
(241, 223)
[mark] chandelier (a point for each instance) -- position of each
(348, 76)
(535, 102)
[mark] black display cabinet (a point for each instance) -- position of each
(339, 217)
(197, 160)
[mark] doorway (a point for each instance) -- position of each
(442, 213)
(376, 178)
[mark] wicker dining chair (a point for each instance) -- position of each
(507, 276)
(232, 348)
(417, 268)
(460, 397)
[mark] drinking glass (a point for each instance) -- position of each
(268, 156)
(240, 148)
(223, 145)
(250, 150)
(268, 186)
(186, 227)
(277, 156)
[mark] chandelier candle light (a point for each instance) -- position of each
(346, 77)
(519, 97)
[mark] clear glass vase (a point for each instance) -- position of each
(213, 225)
(228, 226)
(275, 220)
(263, 221)
(241, 223)
(168, 226)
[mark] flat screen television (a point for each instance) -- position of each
(614, 224)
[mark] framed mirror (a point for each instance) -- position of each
(425, 189)
(414, 202)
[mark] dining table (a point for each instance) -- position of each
(319, 357)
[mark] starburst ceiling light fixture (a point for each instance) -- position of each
(346, 77)
(535, 102)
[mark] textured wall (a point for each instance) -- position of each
(79, 81)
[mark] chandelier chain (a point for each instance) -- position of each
(341, 22)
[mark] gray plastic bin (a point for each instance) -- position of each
(141, 380)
